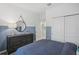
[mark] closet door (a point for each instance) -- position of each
(58, 29)
(72, 29)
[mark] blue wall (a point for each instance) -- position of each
(4, 31)
(48, 33)
(3, 34)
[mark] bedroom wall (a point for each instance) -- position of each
(42, 25)
(9, 14)
(61, 9)
(56, 10)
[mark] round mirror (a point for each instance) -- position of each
(21, 25)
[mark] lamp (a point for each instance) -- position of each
(12, 25)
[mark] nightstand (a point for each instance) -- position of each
(77, 52)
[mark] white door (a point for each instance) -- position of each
(58, 29)
(72, 29)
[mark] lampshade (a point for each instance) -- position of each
(12, 25)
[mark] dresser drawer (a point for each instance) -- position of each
(14, 42)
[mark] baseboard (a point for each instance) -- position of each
(1, 52)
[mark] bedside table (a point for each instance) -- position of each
(77, 52)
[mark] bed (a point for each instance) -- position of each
(47, 47)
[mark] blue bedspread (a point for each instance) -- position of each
(47, 47)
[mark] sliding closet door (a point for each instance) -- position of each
(72, 29)
(58, 29)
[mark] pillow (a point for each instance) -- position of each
(69, 49)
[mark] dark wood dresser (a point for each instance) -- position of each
(17, 41)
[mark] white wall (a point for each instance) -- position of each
(10, 14)
(57, 10)
(41, 30)
(72, 29)
(62, 9)
(58, 29)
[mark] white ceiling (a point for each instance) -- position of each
(34, 7)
